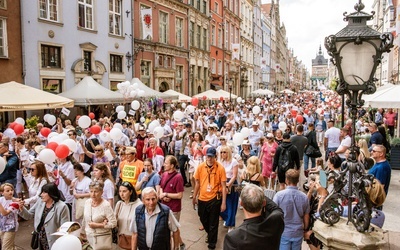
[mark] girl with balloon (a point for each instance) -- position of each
(35, 177)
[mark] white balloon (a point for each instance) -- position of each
(115, 134)
(256, 110)
(104, 136)
(119, 86)
(158, 132)
(52, 134)
(243, 101)
(84, 121)
(178, 115)
(142, 119)
(57, 139)
(47, 156)
(239, 99)
(135, 85)
(154, 124)
(108, 154)
(141, 93)
(63, 136)
(2, 165)
(282, 126)
(183, 105)
(71, 144)
(190, 109)
(135, 105)
(258, 100)
(119, 108)
(118, 125)
(51, 119)
(45, 117)
(238, 139)
(245, 132)
(133, 93)
(121, 114)
(20, 120)
(67, 241)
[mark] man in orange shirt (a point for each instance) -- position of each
(210, 188)
(131, 167)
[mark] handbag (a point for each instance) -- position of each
(125, 241)
(313, 152)
(115, 235)
(270, 192)
(35, 240)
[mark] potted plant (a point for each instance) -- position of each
(395, 153)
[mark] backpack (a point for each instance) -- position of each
(285, 160)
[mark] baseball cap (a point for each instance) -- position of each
(255, 123)
(211, 152)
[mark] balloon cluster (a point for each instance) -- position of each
(130, 90)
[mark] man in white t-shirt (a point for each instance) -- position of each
(344, 144)
(332, 138)
(255, 135)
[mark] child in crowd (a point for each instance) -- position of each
(8, 216)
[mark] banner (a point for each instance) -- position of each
(263, 63)
(235, 51)
(147, 23)
(397, 37)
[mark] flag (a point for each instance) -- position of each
(147, 23)
(263, 63)
(235, 51)
(397, 37)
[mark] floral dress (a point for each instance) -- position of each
(44, 244)
(268, 157)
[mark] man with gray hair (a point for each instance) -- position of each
(257, 227)
(152, 224)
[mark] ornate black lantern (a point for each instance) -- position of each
(356, 52)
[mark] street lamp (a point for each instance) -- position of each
(356, 51)
(230, 84)
(131, 59)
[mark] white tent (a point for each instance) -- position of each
(386, 98)
(181, 97)
(226, 94)
(90, 92)
(379, 91)
(209, 94)
(149, 92)
(262, 92)
(16, 96)
(286, 91)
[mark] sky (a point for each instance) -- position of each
(308, 22)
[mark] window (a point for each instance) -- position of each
(179, 76)
(214, 66)
(145, 75)
(198, 36)
(216, 8)
(160, 61)
(48, 10)
(115, 63)
(232, 33)
(3, 38)
(213, 37)
(199, 72)
(204, 7)
(114, 17)
(198, 6)
(87, 61)
(220, 38)
(51, 56)
(219, 67)
(191, 35)
(179, 32)
(86, 14)
(227, 45)
(52, 85)
(163, 27)
(205, 38)
(3, 4)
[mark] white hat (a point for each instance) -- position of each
(85, 167)
(39, 148)
(63, 230)
(255, 123)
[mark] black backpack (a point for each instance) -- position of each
(285, 161)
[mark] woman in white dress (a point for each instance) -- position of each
(35, 177)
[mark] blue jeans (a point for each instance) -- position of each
(306, 160)
(291, 243)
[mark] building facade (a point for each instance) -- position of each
(217, 35)
(258, 46)
(319, 71)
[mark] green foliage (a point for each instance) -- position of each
(31, 122)
(333, 84)
(395, 141)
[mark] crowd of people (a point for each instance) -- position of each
(129, 191)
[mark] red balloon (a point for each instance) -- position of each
(204, 97)
(91, 115)
(299, 119)
(62, 151)
(95, 129)
(18, 129)
(52, 145)
(306, 111)
(12, 125)
(195, 101)
(107, 129)
(221, 98)
(45, 131)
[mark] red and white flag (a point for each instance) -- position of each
(235, 51)
(147, 22)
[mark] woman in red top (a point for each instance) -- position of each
(155, 153)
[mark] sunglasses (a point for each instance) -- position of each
(98, 150)
(127, 184)
(95, 184)
(31, 169)
(223, 152)
(70, 134)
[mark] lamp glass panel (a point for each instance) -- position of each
(358, 61)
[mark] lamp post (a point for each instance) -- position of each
(356, 51)
(131, 58)
(230, 83)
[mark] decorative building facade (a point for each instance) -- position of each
(319, 71)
